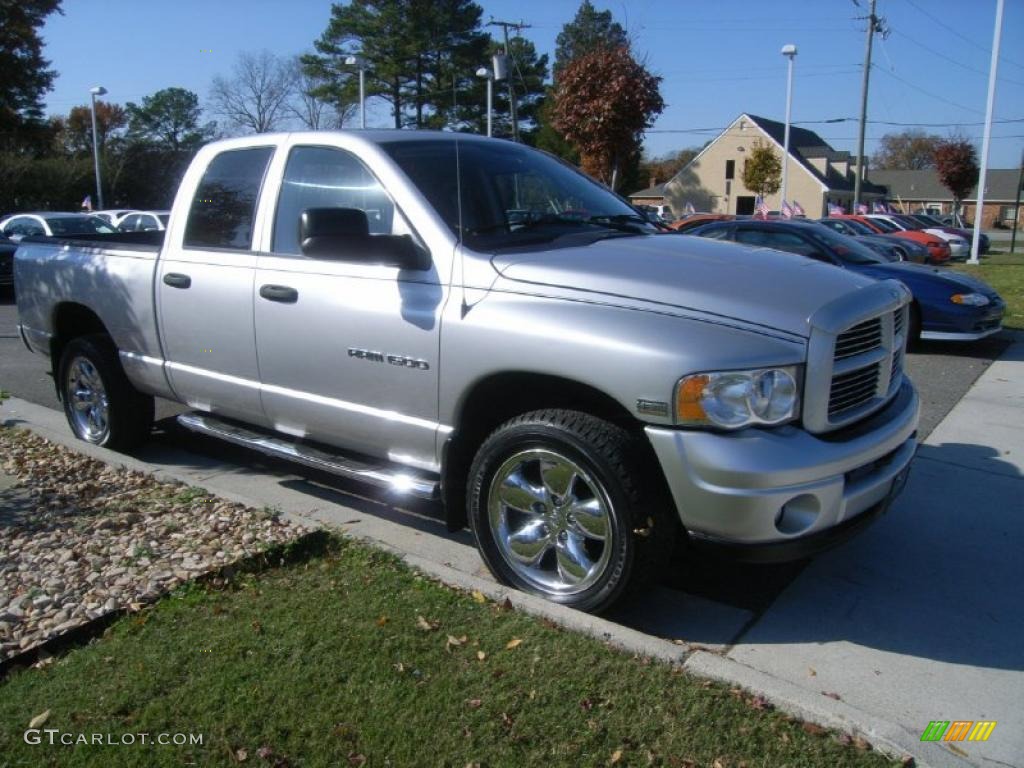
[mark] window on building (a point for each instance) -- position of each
(730, 169)
(728, 187)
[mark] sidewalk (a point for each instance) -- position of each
(920, 618)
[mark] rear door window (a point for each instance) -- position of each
(224, 205)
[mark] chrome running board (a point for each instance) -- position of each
(392, 478)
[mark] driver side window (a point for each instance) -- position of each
(325, 177)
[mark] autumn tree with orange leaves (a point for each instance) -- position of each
(603, 102)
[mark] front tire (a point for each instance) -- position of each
(101, 405)
(560, 508)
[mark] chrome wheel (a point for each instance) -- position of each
(552, 522)
(87, 398)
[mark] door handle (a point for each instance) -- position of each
(177, 280)
(280, 293)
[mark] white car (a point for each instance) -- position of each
(113, 216)
(53, 224)
(958, 246)
(144, 221)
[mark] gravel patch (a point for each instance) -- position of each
(83, 539)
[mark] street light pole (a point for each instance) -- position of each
(484, 72)
(789, 51)
(99, 90)
(993, 68)
(359, 61)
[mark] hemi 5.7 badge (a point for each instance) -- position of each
(379, 357)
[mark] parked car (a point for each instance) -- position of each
(938, 249)
(697, 219)
(893, 248)
(144, 221)
(53, 224)
(931, 222)
(958, 246)
(947, 306)
(580, 388)
(113, 215)
(7, 249)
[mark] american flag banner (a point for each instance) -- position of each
(761, 207)
(798, 209)
(879, 207)
(87, 203)
(787, 210)
(862, 208)
(835, 210)
(689, 210)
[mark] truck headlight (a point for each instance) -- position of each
(970, 299)
(737, 399)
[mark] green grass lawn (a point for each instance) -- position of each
(346, 657)
(1004, 272)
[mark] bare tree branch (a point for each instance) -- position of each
(255, 99)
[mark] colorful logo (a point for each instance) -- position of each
(958, 730)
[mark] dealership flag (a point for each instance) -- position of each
(862, 208)
(879, 207)
(835, 210)
(761, 207)
(797, 209)
(87, 203)
(787, 210)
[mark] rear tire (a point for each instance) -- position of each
(560, 508)
(101, 405)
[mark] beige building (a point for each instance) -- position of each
(817, 174)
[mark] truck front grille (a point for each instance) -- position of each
(852, 390)
(863, 337)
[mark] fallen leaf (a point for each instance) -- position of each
(616, 757)
(759, 702)
(586, 705)
(720, 762)
(678, 641)
(907, 761)
(812, 728)
(454, 642)
(400, 667)
(862, 744)
(507, 605)
(845, 739)
(241, 755)
(812, 672)
(264, 753)
(39, 719)
(831, 695)
(475, 703)
(957, 751)
(515, 642)
(382, 621)
(481, 655)
(479, 596)
(356, 759)
(426, 626)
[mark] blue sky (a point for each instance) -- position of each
(717, 59)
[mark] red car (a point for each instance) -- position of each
(938, 250)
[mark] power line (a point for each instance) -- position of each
(926, 92)
(950, 59)
(963, 37)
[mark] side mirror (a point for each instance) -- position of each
(343, 234)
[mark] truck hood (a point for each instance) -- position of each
(721, 280)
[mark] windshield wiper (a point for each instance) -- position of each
(624, 222)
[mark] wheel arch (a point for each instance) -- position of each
(71, 320)
(495, 399)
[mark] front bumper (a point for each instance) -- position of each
(774, 488)
(957, 322)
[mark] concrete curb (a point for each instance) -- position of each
(886, 738)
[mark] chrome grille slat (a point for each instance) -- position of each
(861, 338)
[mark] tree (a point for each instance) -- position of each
(957, 164)
(664, 168)
(911, 150)
(26, 73)
(255, 98)
(75, 131)
(589, 30)
(309, 107)
(762, 172)
(604, 100)
(169, 119)
(528, 72)
(418, 55)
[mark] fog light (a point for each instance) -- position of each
(798, 514)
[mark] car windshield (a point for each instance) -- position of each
(78, 225)
(884, 225)
(929, 220)
(847, 248)
(496, 195)
(909, 222)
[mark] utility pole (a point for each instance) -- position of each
(517, 26)
(874, 25)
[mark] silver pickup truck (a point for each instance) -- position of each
(464, 318)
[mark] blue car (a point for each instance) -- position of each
(947, 306)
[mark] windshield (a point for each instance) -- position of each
(885, 226)
(909, 222)
(497, 194)
(78, 225)
(845, 247)
(858, 227)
